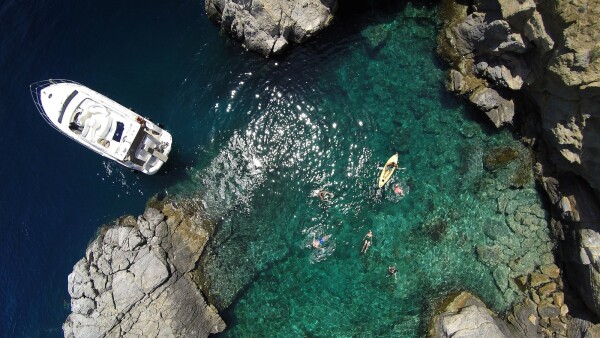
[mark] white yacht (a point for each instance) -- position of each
(102, 125)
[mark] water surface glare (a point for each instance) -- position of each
(305, 126)
(255, 140)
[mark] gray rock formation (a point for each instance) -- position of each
(465, 315)
(268, 26)
(499, 110)
(485, 51)
(507, 44)
(135, 280)
(567, 88)
(579, 212)
(550, 52)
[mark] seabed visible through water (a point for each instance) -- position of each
(326, 118)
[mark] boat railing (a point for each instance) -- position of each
(36, 89)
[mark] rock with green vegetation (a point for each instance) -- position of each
(499, 157)
(378, 35)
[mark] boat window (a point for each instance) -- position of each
(76, 116)
(67, 101)
(118, 131)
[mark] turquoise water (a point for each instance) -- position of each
(326, 119)
(254, 140)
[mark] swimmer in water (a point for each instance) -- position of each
(318, 243)
(398, 190)
(325, 195)
(367, 241)
(392, 271)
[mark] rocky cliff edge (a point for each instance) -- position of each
(547, 50)
(135, 279)
(536, 65)
(269, 26)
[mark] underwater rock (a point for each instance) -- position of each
(134, 280)
(269, 26)
(435, 228)
(499, 157)
(378, 35)
(496, 230)
(501, 279)
(489, 254)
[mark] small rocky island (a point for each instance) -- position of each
(531, 66)
(269, 26)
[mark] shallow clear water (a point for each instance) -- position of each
(329, 124)
(254, 140)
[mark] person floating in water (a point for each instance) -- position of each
(318, 243)
(392, 271)
(325, 195)
(367, 241)
(398, 190)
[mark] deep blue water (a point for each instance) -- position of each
(160, 59)
(323, 116)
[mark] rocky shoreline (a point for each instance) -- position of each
(531, 66)
(542, 314)
(136, 278)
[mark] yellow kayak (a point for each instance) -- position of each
(386, 173)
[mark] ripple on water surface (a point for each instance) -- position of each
(329, 126)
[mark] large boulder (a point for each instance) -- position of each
(268, 26)
(499, 109)
(508, 71)
(464, 315)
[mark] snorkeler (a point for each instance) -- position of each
(398, 190)
(318, 243)
(325, 195)
(367, 241)
(392, 271)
